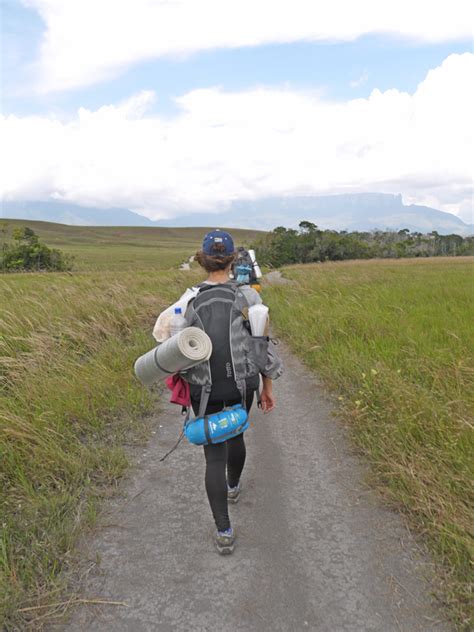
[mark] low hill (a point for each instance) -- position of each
(112, 247)
(69, 213)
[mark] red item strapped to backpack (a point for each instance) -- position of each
(180, 391)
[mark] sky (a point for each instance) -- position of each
(167, 107)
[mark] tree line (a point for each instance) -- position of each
(24, 252)
(309, 244)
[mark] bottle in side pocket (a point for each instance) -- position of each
(178, 322)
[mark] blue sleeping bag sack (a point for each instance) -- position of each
(218, 427)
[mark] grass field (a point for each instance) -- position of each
(69, 403)
(395, 341)
(100, 248)
(69, 399)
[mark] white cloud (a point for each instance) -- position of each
(87, 41)
(227, 145)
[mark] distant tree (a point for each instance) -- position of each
(309, 236)
(309, 243)
(26, 235)
(28, 253)
(307, 227)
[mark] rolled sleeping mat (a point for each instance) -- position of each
(256, 267)
(178, 353)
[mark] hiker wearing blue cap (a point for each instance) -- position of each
(214, 308)
(218, 243)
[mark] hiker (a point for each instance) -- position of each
(245, 268)
(220, 307)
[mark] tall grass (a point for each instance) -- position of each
(395, 340)
(69, 401)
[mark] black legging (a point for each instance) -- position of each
(228, 455)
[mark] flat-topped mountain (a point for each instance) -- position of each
(354, 211)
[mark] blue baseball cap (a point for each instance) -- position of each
(218, 237)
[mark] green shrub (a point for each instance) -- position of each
(284, 246)
(26, 252)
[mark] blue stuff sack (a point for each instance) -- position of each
(218, 427)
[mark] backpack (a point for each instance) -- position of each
(243, 268)
(237, 356)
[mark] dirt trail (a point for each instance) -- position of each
(186, 265)
(315, 550)
(275, 277)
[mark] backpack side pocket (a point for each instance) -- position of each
(260, 350)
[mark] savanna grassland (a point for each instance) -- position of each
(70, 402)
(395, 341)
(107, 248)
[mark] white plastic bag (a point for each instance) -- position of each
(162, 328)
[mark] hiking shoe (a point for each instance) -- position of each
(233, 493)
(225, 541)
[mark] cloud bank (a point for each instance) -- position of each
(86, 41)
(262, 142)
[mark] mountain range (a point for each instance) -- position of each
(357, 211)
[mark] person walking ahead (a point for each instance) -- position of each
(221, 309)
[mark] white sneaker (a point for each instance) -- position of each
(225, 541)
(233, 493)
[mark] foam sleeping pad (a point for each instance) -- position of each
(180, 352)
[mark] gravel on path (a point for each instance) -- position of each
(316, 549)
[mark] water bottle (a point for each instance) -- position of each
(178, 322)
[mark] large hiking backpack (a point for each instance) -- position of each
(243, 268)
(221, 310)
